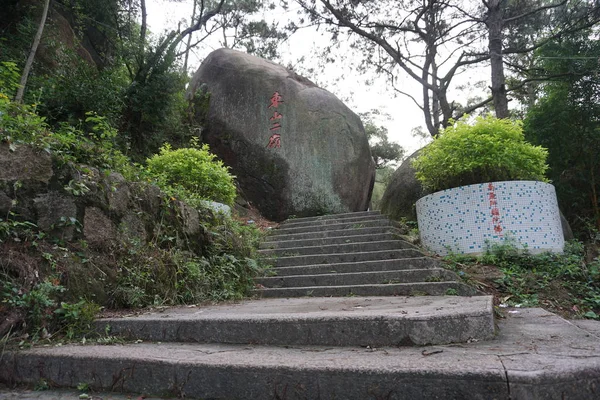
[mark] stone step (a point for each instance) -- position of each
(286, 244)
(338, 248)
(340, 257)
(392, 289)
(242, 372)
(373, 321)
(359, 278)
(536, 355)
(331, 227)
(331, 221)
(275, 236)
(362, 266)
(343, 216)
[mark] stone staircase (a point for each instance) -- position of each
(372, 299)
(360, 254)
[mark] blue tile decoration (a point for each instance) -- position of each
(463, 219)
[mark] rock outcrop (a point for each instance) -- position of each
(295, 148)
(402, 192)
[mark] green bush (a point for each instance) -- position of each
(488, 150)
(9, 79)
(92, 142)
(192, 173)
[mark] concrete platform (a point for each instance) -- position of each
(372, 321)
(537, 355)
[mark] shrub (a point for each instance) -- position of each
(489, 150)
(154, 274)
(9, 79)
(93, 142)
(563, 283)
(193, 174)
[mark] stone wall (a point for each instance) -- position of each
(91, 213)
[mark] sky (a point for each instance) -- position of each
(403, 114)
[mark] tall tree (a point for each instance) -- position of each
(31, 57)
(188, 46)
(383, 151)
(566, 120)
(240, 26)
(510, 19)
(429, 40)
(433, 41)
(155, 80)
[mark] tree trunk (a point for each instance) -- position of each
(29, 63)
(433, 129)
(189, 43)
(143, 29)
(495, 24)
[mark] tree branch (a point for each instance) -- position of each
(397, 56)
(31, 57)
(526, 14)
(472, 108)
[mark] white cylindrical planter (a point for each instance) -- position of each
(467, 219)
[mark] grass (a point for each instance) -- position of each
(562, 283)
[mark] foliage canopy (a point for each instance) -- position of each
(488, 150)
(383, 151)
(566, 120)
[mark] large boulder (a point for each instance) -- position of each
(295, 148)
(402, 192)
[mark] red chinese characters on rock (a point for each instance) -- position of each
(275, 139)
(275, 100)
(494, 209)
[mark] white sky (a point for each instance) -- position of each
(360, 97)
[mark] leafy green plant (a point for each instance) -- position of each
(41, 385)
(177, 277)
(92, 143)
(42, 315)
(83, 387)
(559, 281)
(37, 304)
(9, 79)
(76, 188)
(19, 123)
(193, 173)
(161, 272)
(16, 230)
(76, 318)
(487, 150)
